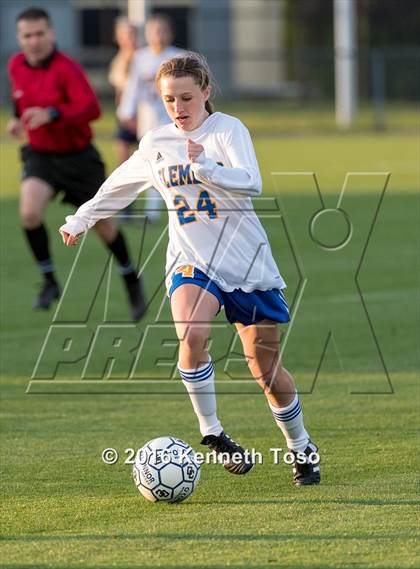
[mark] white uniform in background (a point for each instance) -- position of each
(212, 223)
(140, 98)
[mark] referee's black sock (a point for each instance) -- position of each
(38, 242)
(120, 251)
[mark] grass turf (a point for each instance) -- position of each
(62, 507)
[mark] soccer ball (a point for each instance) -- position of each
(166, 469)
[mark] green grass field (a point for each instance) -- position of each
(63, 508)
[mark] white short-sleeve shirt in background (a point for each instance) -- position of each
(140, 97)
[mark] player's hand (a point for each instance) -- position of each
(15, 127)
(193, 150)
(68, 239)
(34, 117)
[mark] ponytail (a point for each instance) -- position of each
(209, 107)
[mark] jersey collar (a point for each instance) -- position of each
(45, 62)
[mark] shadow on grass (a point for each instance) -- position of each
(206, 537)
(309, 501)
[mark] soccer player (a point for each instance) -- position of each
(125, 136)
(141, 106)
(205, 168)
(54, 104)
(126, 39)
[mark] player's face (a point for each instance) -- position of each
(36, 39)
(158, 35)
(184, 101)
(126, 36)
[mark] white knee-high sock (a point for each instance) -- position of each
(199, 383)
(290, 421)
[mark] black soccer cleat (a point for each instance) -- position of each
(235, 459)
(138, 306)
(306, 466)
(50, 291)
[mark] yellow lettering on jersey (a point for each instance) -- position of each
(186, 271)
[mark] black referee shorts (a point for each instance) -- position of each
(77, 174)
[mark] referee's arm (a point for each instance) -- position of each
(81, 105)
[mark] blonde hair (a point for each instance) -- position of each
(191, 64)
(124, 22)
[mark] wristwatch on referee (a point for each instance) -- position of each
(54, 113)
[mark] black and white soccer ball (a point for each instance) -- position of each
(166, 469)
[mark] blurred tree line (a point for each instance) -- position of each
(388, 28)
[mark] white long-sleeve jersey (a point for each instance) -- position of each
(140, 97)
(212, 223)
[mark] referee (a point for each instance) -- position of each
(54, 104)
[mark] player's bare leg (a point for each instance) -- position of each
(123, 150)
(193, 309)
(108, 232)
(34, 197)
(261, 349)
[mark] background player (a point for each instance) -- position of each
(126, 39)
(205, 167)
(141, 107)
(125, 136)
(54, 104)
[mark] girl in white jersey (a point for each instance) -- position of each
(205, 168)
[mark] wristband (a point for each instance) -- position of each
(54, 113)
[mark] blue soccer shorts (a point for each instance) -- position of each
(244, 307)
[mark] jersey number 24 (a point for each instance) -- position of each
(204, 203)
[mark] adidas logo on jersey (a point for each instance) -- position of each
(159, 157)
